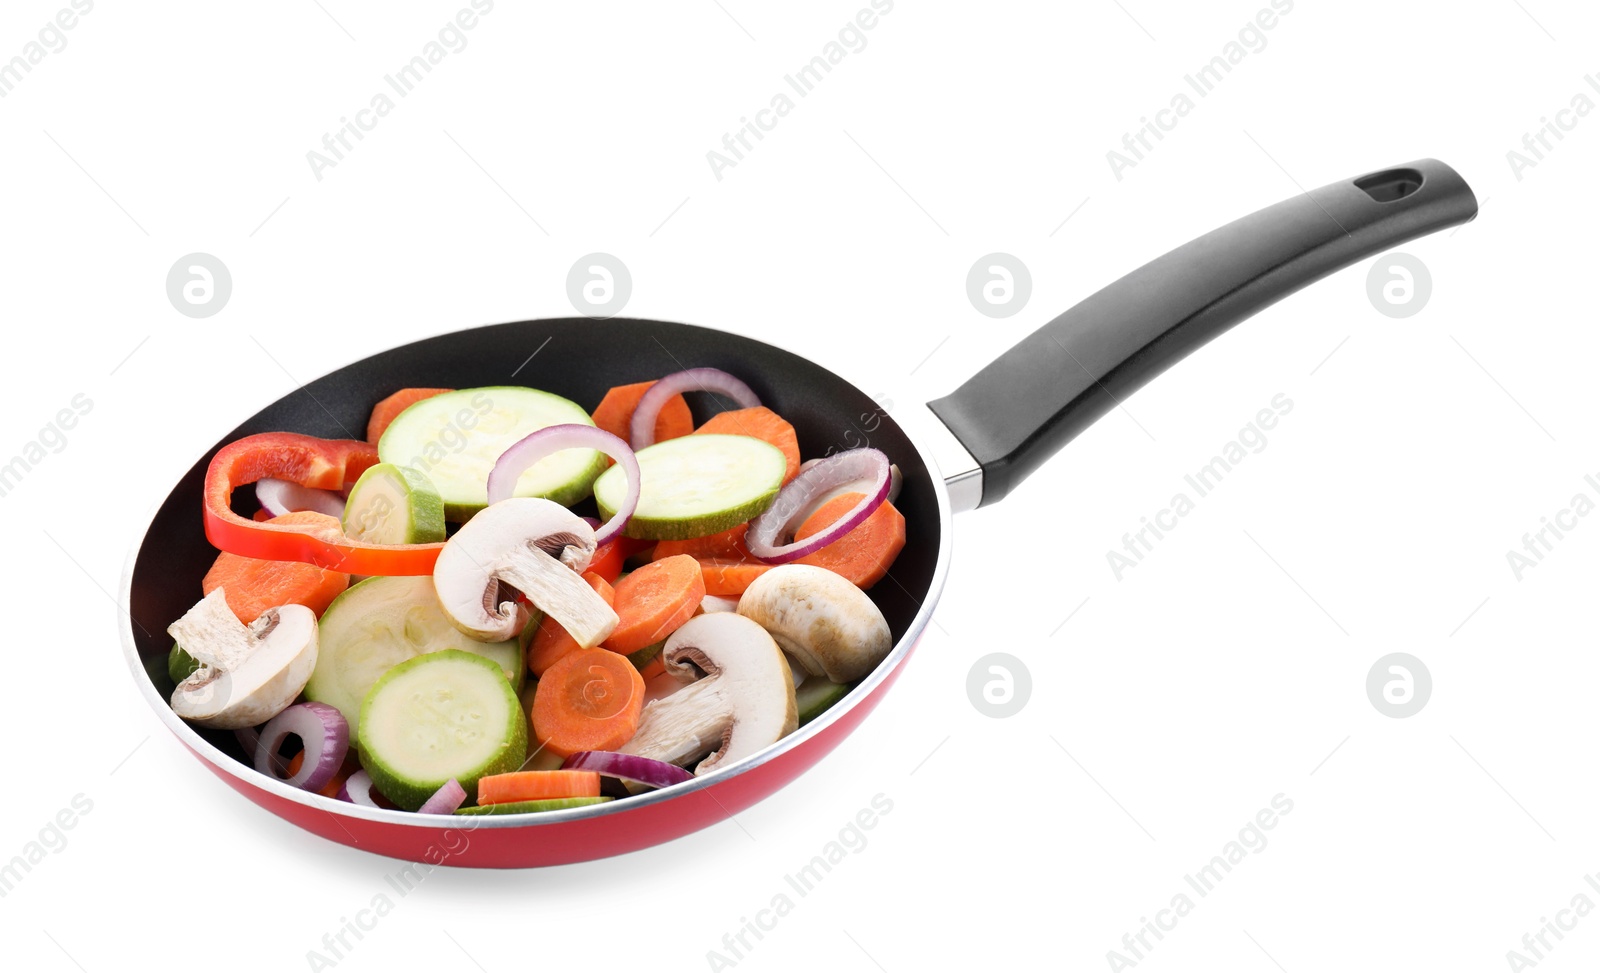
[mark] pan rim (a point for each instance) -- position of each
(248, 775)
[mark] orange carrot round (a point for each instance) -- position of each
(727, 577)
(384, 412)
(537, 785)
(614, 414)
(589, 700)
(611, 557)
(864, 554)
(727, 544)
(653, 601)
(551, 642)
(253, 585)
(763, 424)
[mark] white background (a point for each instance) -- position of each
(1222, 671)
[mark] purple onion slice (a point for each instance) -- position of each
(626, 766)
(642, 430)
(323, 731)
(535, 446)
(771, 533)
(357, 789)
(445, 800)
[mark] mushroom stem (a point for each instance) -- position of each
(558, 591)
(213, 634)
(742, 700)
(685, 726)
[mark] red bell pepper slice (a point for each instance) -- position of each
(324, 464)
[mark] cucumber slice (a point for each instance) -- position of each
(180, 664)
(456, 437)
(394, 505)
(695, 485)
(379, 623)
(442, 715)
(526, 807)
(816, 694)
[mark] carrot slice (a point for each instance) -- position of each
(729, 578)
(763, 424)
(254, 585)
(653, 601)
(727, 544)
(551, 642)
(726, 564)
(384, 412)
(865, 553)
(537, 785)
(612, 556)
(589, 700)
(614, 414)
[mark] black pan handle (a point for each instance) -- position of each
(1029, 402)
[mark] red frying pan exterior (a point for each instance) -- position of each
(477, 842)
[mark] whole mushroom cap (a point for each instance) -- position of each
(831, 627)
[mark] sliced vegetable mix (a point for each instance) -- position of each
(512, 664)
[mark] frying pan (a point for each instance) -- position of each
(967, 449)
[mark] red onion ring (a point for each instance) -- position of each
(323, 731)
(535, 446)
(445, 800)
(642, 430)
(857, 486)
(279, 497)
(357, 789)
(770, 535)
(626, 766)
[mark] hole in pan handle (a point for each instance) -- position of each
(1022, 407)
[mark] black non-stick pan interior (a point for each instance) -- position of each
(581, 359)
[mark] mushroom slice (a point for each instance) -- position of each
(539, 548)
(248, 674)
(828, 624)
(739, 699)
